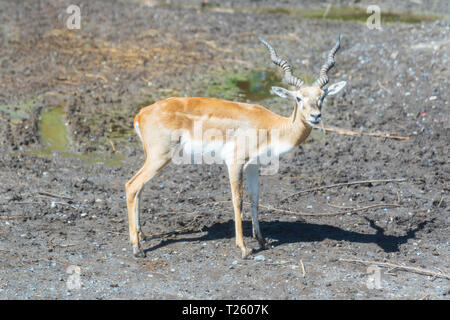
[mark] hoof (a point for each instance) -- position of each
(138, 252)
(262, 244)
(246, 252)
(142, 236)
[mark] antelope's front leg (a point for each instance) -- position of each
(236, 175)
(252, 173)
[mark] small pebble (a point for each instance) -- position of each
(259, 257)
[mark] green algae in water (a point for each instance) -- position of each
(253, 86)
(257, 85)
(108, 160)
(343, 13)
(18, 112)
(53, 130)
(54, 138)
(359, 14)
(348, 13)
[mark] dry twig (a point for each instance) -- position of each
(380, 205)
(112, 146)
(11, 217)
(397, 266)
(357, 133)
(343, 184)
(303, 268)
(51, 195)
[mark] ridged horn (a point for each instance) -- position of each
(287, 68)
(323, 78)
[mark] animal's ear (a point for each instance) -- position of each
(335, 88)
(284, 93)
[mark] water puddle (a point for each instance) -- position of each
(53, 130)
(256, 87)
(343, 13)
(54, 138)
(347, 13)
(17, 112)
(251, 87)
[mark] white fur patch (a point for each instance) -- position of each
(207, 152)
(136, 127)
(217, 152)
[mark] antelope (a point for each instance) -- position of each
(181, 123)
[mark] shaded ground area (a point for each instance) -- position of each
(67, 101)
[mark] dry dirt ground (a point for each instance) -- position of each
(67, 101)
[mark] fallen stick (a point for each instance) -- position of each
(358, 133)
(62, 245)
(303, 268)
(11, 217)
(383, 87)
(380, 205)
(48, 194)
(112, 146)
(64, 204)
(342, 184)
(13, 202)
(397, 266)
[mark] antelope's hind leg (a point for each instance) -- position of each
(133, 191)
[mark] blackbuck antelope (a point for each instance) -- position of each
(196, 127)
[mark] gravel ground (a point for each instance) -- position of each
(63, 214)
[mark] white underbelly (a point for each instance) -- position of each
(218, 152)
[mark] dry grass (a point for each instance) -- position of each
(66, 57)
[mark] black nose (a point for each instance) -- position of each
(316, 116)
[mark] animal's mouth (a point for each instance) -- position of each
(314, 122)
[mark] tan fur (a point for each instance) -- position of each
(159, 122)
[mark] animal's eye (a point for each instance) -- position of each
(299, 99)
(320, 101)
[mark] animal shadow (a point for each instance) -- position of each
(282, 232)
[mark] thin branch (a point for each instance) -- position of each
(357, 133)
(11, 217)
(51, 195)
(64, 204)
(62, 245)
(303, 268)
(112, 146)
(14, 202)
(380, 205)
(383, 87)
(342, 184)
(397, 266)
